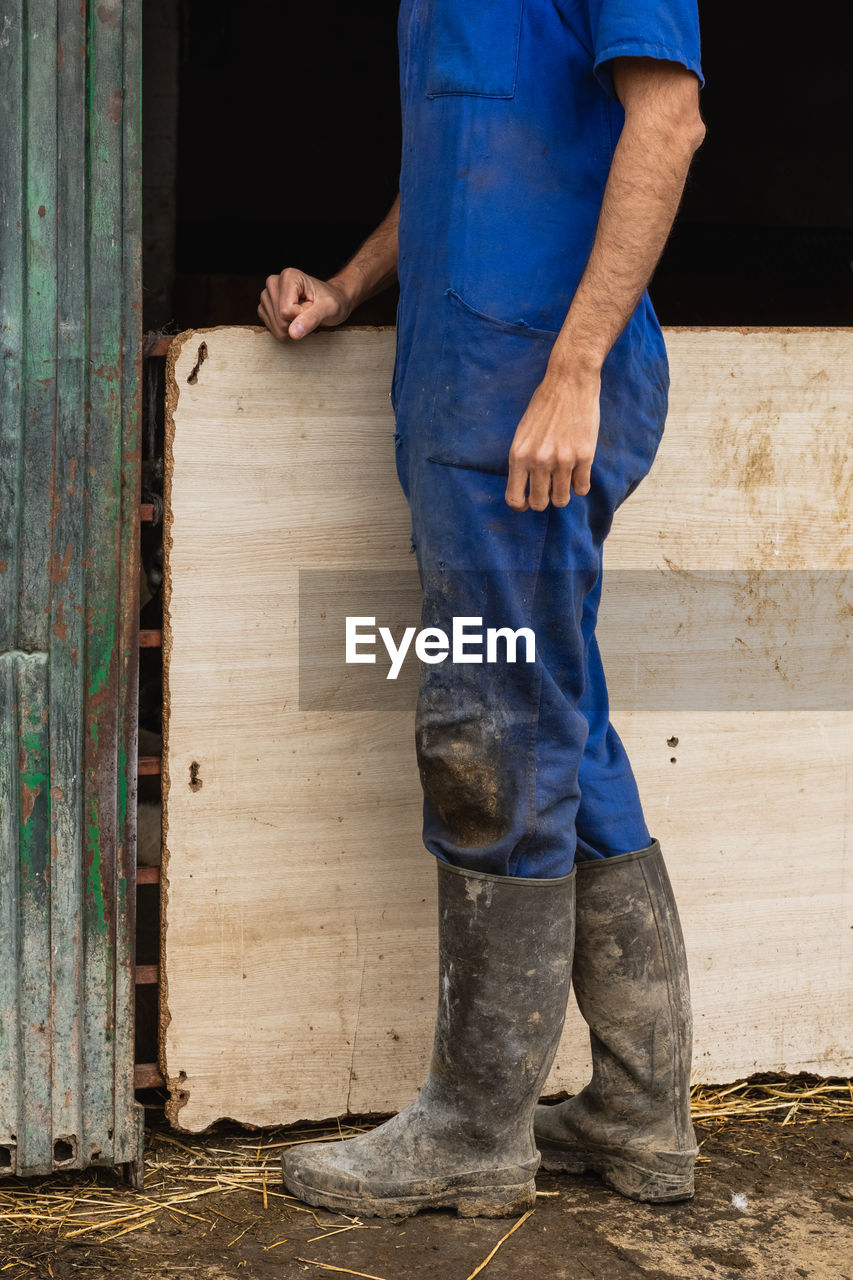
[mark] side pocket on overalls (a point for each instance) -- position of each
(488, 371)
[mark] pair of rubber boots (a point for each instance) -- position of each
(508, 951)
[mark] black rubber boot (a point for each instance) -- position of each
(631, 1124)
(466, 1142)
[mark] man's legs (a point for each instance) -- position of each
(498, 746)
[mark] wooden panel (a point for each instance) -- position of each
(299, 946)
(756, 471)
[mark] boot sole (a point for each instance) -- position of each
(471, 1202)
(649, 1186)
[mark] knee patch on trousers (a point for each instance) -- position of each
(461, 779)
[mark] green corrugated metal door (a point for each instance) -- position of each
(70, 320)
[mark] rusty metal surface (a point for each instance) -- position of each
(69, 528)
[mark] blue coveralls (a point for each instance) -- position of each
(509, 127)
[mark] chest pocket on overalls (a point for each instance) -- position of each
(473, 47)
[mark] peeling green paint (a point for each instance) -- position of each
(34, 825)
(106, 641)
(69, 492)
(94, 883)
(122, 815)
(122, 784)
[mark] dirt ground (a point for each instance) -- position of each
(773, 1202)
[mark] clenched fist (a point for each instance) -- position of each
(294, 304)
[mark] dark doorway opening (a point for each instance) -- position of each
(272, 138)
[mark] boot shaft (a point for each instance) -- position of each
(505, 960)
(632, 987)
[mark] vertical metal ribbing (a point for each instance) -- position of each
(12, 312)
(35, 1146)
(68, 583)
(69, 493)
(39, 380)
(10, 1054)
(103, 478)
(128, 1117)
(12, 309)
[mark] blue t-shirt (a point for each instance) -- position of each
(509, 126)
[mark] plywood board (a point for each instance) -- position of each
(299, 942)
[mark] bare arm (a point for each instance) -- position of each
(555, 441)
(293, 303)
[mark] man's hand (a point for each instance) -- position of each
(554, 443)
(294, 304)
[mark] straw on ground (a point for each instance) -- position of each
(183, 1171)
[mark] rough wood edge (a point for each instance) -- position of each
(173, 1103)
(756, 328)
